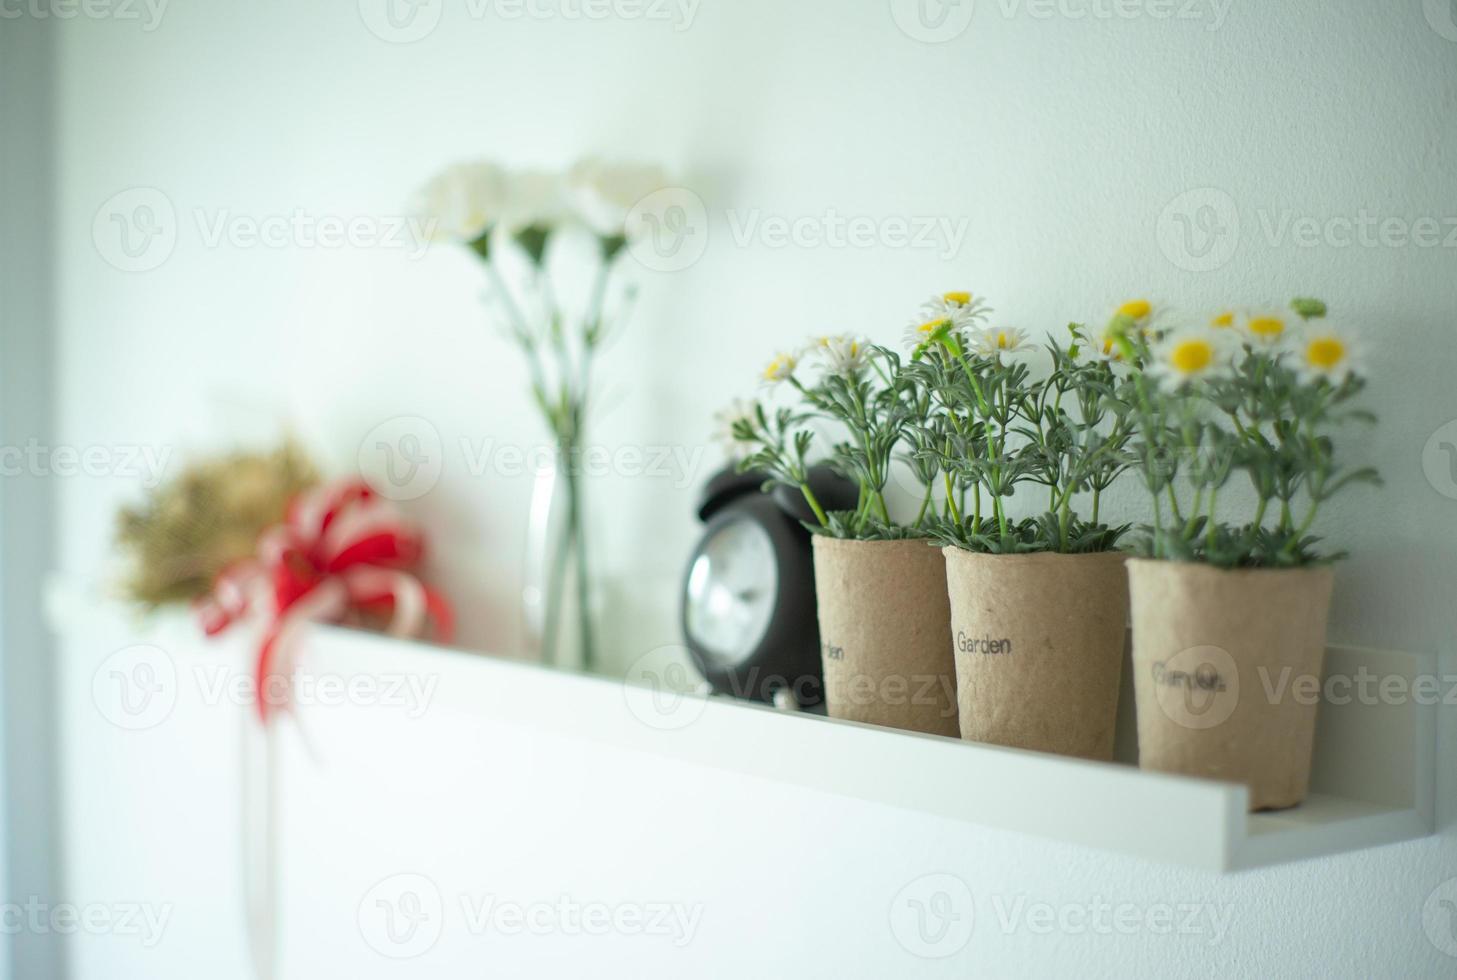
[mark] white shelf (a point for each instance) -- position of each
(1373, 780)
(1372, 783)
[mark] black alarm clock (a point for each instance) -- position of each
(749, 617)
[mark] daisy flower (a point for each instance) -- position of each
(1188, 355)
(726, 423)
(920, 330)
(961, 310)
(843, 354)
(1137, 310)
(780, 369)
(995, 341)
(1268, 328)
(1134, 318)
(1103, 344)
(1223, 320)
(1323, 351)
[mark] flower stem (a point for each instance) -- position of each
(814, 505)
(925, 503)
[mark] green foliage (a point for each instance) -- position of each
(999, 430)
(1260, 420)
(851, 525)
(862, 392)
(783, 450)
(965, 414)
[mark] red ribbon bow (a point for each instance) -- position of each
(341, 549)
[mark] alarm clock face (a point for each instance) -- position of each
(732, 592)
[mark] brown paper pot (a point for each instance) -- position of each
(885, 634)
(1210, 650)
(1039, 648)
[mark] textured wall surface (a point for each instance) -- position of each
(1064, 155)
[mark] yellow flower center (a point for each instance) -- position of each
(1135, 309)
(1191, 356)
(963, 298)
(1224, 319)
(779, 368)
(1003, 341)
(930, 326)
(1325, 353)
(1267, 327)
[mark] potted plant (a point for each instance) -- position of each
(881, 587)
(1223, 611)
(1038, 604)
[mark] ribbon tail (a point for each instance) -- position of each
(263, 670)
(441, 615)
(259, 799)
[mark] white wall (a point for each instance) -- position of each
(1069, 145)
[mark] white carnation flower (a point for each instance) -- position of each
(463, 202)
(535, 199)
(603, 194)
